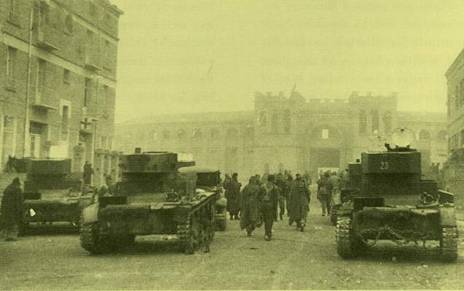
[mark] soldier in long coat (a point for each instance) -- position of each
(12, 210)
(299, 202)
(232, 193)
(268, 205)
(249, 210)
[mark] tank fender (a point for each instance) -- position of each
(90, 213)
(447, 216)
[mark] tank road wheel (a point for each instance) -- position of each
(188, 234)
(346, 246)
(92, 241)
(449, 243)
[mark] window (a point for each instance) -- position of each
(442, 135)
(41, 78)
(103, 140)
(154, 135)
(287, 121)
(362, 122)
(87, 91)
(424, 135)
(166, 134)
(375, 121)
(66, 76)
(13, 12)
(106, 97)
(387, 122)
(69, 24)
(262, 119)
(461, 92)
(275, 123)
(92, 9)
(325, 133)
(10, 63)
(214, 133)
(249, 131)
(456, 97)
(181, 134)
(232, 133)
(64, 122)
(196, 134)
(45, 14)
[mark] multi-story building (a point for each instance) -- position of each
(58, 78)
(455, 82)
(288, 133)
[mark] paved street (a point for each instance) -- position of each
(293, 260)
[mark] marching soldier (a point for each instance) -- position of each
(323, 192)
(232, 194)
(268, 205)
(299, 202)
(250, 205)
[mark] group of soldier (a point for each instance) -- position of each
(266, 198)
(329, 187)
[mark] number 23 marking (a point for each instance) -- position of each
(384, 165)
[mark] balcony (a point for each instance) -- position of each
(41, 99)
(45, 39)
(92, 60)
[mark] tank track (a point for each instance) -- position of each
(185, 236)
(195, 232)
(343, 234)
(449, 243)
(92, 241)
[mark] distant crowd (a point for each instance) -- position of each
(267, 198)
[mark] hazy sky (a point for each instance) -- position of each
(212, 55)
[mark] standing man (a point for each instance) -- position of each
(299, 202)
(323, 192)
(233, 197)
(88, 172)
(268, 205)
(335, 190)
(12, 210)
(249, 205)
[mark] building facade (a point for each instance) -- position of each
(58, 62)
(455, 84)
(289, 133)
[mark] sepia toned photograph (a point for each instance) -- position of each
(231, 144)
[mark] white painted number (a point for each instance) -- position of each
(384, 165)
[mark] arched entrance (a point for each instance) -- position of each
(325, 147)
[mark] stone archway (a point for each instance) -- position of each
(324, 148)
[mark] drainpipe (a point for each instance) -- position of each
(28, 83)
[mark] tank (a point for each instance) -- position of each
(394, 203)
(51, 195)
(152, 198)
(209, 180)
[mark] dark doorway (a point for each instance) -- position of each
(323, 158)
